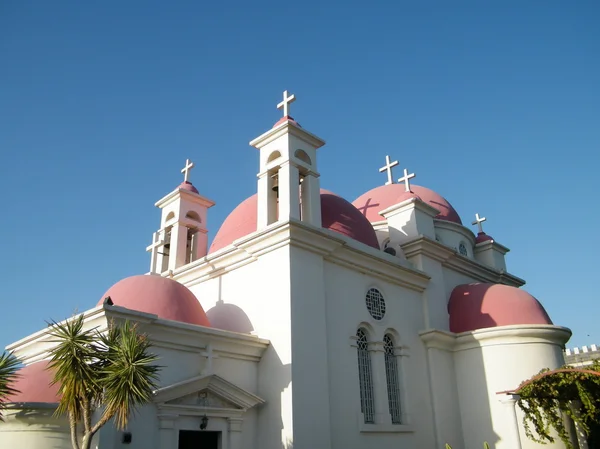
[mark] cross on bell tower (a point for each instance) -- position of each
(182, 236)
(288, 181)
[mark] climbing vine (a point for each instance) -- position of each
(548, 397)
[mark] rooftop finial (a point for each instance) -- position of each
(186, 170)
(388, 168)
(285, 104)
(478, 221)
(406, 179)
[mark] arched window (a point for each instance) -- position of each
(301, 154)
(365, 376)
(462, 249)
(392, 376)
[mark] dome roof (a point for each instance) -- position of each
(287, 118)
(229, 317)
(483, 237)
(479, 306)
(382, 197)
(337, 214)
(161, 296)
(34, 385)
(186, 185)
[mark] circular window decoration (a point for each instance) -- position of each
(462, 249)
(375, 304)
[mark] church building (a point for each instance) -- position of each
(314, 322)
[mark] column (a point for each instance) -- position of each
(235, 433)
(514, 439)
(178, 246)
(289, 199)
(167, 435)
(382, 412)
(267, 201)
(311, 200)
(200, 244)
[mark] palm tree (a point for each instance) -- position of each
(9, 365)
(112, 371)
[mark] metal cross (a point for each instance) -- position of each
(406, 179)
(388, 167)
(285, 104)
(186, 170)
(478, 221)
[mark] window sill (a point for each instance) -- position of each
(383, 427)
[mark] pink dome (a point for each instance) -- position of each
(34, 385)
(479, 306)
(229, 317)
(337, 214)
(483, 237)
(287, 118)
(186, 185)
(382, 197)
(161, 296)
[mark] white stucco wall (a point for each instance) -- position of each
(34, 429)
(493, 360)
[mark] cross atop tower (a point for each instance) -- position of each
(388, 167)
(186, 170)
(285, 104)
(406, 179)
(478, 221)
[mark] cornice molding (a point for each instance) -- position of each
(284, 128)
(451, 259)
(330, 245)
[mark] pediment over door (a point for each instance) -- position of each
(207, 392)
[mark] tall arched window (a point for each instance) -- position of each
(392, 376)
(365, 376)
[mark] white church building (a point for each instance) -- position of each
(313, 322)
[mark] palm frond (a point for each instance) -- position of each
(9, 366)
(72, 362)
(129, 377)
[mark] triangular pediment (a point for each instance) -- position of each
(207, 391)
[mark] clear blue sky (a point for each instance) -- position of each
(495, 105)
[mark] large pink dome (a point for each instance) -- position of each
(337, 214)
(382, 197)
(480, 305)
(34, 385)
(160, 296)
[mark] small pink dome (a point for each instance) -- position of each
(229, 317)
(34, 385)
(287, 118)
(483, 237)
(337, 214)
(186, 185)
(479, 306)
(161, 296)
(382, 197)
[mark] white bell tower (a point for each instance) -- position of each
(183, 236)
(288, 180)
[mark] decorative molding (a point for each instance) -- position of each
(179, 394)
(449, 258)
(287, 127)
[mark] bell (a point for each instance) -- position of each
(275, 187)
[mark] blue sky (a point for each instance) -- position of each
(495, 105)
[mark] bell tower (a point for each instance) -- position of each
(288, 180)
(183, 236)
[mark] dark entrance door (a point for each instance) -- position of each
(198, 439)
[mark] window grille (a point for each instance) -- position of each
(375, 303)
(392, 376)
(365, 376)
(462, 249)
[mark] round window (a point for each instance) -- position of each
(375, 303)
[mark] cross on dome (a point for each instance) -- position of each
(186, 170)
(285, 104)
(388, 167)
(478, 221)
(406, 179)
